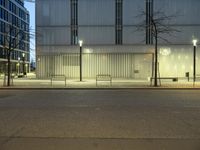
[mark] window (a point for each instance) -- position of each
(10, 5)
(3, 3)
(2, 13)
(20, 2)
(1, 39)
(6, 15)
(74, 22)
(149, 14)
(2, 27)
(119, 22)
(2, 53)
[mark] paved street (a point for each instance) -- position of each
(100, 119)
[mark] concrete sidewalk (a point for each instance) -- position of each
(91, 83)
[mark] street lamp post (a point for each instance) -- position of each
(23, 59)
(194, 59)
(80, 61)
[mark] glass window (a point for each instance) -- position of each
(149, 13)
(119, 21)
(3, 3)
(74, 22)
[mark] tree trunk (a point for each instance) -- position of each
(8, 70)
(8, 55)
(156, 55)
(156, 61)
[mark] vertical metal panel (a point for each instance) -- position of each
(132, 36)
(53, 12)
(53, 36)
(60, 12)
(96, 12)
(97, 34)
(131, 9)
(97, 21)
(119, 65)
(42, 12)
(187, 11)
(116, 64)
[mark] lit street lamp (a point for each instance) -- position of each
(80, 44)
(23, 59)
(194, 65)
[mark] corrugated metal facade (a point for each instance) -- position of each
(119, 65)
(109, 59)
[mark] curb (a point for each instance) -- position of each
(136, 88)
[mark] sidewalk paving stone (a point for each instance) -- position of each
(91, 83)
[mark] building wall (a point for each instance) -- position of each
(53, 12)
(13, 14)
(53, 22)
(186, 14)
(96, 27)
(119, 65)
(178, 61)
(133, 62)
(96, 21)
(131, 11)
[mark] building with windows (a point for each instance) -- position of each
(111, 42)
(14, 21)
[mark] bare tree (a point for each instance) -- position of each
(159, 26)
(13, 37)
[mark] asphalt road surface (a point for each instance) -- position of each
(100, 119)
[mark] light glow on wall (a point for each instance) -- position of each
(165, 51)
(88, 51)
(191, 68)
(183, 67)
